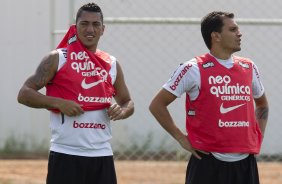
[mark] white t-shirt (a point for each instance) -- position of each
(191, 84)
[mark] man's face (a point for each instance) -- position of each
(230, 36)
(89, 29)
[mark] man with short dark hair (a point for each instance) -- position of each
(224, 127)
(80, 82)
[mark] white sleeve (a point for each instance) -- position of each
(186, 78)
(257, 86)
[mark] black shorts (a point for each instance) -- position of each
(210, 170)
(71, 169)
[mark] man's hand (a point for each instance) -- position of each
(70, 108)
(115, 112)
(184, 142)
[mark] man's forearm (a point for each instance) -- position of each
(164, 118)
(262, 110)
(35, 99)
(262, 117)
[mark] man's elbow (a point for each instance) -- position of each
(132, 108)
(21, 96)
(152, 107)
(20, 99)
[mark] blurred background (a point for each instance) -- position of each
(150, 39)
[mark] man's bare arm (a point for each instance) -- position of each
(29, 95)
(158, 108)
(124, 106)
(262, 110)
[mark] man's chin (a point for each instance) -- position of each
(237, 49)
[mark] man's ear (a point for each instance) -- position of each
(216, 36)
(103, 29)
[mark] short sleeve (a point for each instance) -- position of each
(184, 79)
(257, 86)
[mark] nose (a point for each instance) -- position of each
(90, 29)
(239, 33)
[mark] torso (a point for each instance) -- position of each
(84, 135)
(190, 83)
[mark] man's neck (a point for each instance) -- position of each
(92, 50)
(220, 54)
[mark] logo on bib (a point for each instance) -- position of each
(224, 110)
(90, 85)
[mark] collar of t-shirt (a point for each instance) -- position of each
(228, 63)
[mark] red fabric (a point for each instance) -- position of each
(224, 119)
(84, 77)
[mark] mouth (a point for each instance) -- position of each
(89, 36)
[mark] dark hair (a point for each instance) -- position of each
(213, 22)
(90, 7)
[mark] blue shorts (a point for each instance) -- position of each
(210, 170)
(71, 169)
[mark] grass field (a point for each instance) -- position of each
(128, 172)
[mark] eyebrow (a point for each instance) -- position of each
(86, 21)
